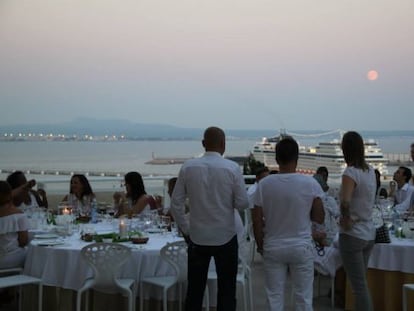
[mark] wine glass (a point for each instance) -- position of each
(165, 223)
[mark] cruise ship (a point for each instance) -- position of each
(327, 154)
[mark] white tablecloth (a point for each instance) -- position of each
(395, 256)
(62, 265)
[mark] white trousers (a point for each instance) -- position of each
(297, 262)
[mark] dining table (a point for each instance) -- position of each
(390, 266)
(58, 262)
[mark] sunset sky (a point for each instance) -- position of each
(259, 64)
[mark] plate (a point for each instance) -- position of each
(154, 230)
(50, 243)
(47, 236)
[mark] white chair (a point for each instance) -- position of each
(106, 259)
(406, 288)
(176, 254)
(20, 280)
(243, 279)
(248, 225)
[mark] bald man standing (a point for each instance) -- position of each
(215, 188)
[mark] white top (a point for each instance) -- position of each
(403, 197)
(82, 206)
(362, 202)
(286, 200)
(9, 245)
(332, 213)
(214, 187)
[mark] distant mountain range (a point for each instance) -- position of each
(133, 130)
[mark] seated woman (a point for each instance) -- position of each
(381, 193)
(135, 200)
(80, 195)
(24, 197)
(14, 227)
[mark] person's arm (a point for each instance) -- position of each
(118, 199)
(23, 238)
(23, 226)
(141, 203)
(258, 225)
(178, 205)
(317, 212)
(40, 196)
(393, 189)
(241, 200)
(19, 193)
(347, 189)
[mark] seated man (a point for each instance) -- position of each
(24, 196)
(401, 190)
(326, 233)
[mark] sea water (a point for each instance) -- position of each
(116, 158)
(122, 157)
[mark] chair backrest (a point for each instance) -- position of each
(10, 270)
(176, 254)
(105, 260)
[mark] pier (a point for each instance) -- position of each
(394, 160)
(70, 173)
(180, 160)
(398, 159)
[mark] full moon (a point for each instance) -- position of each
(372, 75)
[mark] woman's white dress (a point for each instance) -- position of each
(11, 255)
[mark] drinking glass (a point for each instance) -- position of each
(174, 229)
(165, 223)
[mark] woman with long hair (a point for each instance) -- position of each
(80, 195)
(135, 199)
(357, 231)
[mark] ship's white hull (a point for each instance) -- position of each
(325, 154)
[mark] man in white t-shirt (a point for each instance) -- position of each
(285, 206)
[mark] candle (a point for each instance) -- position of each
(399, 233)
(122, 229)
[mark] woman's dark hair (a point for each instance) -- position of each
(137, 188)
(5, 192)
(378, 178)
(86, 187)
(287, 150)
(354, 150)
(16, 179)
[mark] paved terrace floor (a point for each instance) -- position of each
(320, 303)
